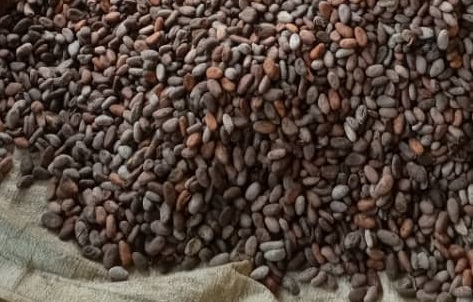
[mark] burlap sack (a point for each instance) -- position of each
(36, 266)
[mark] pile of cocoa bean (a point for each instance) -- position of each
(331, 138)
